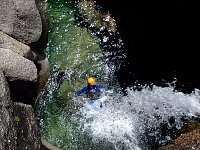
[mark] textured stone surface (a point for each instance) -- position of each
(23, 38)
(5, 92)
(186, 141)
(41, 44)
(20, 19)
(27, 127)
(7, 130)
(8, 42)
(16, 66)
(21, 74)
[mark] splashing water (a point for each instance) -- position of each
(128, 122)
(124, 119)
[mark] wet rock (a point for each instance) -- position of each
(100, 20)
(187, 141)
(188, 138)
(43, 75)
(45, 145)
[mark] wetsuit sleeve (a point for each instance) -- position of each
(83, 90)
(101, 88)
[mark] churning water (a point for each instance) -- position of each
(140, 120)
(129, 121)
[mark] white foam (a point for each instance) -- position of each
(124, 118)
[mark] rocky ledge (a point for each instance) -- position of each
(24, 71)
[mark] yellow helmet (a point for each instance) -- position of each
(91, 80)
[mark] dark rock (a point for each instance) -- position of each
(28, 137)
(23, 91)
(21, 74)
(40, 45)
(186, 141)
(7, 130)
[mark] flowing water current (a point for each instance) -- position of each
(138, 120)
(131, 122)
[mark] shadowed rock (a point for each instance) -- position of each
(7, 130)
(5, 92)
(96, 19)
(26, 126)
(21, 74)
(24, 70)
(43, 74)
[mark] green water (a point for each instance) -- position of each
(126, 122)
(75, 53)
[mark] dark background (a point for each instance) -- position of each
(161, 42)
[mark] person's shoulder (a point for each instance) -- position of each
(84, 89)
(99, 86)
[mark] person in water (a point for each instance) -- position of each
(92, 90)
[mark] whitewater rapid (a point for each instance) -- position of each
(123, 120)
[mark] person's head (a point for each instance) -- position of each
(91, 80)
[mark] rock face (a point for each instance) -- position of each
(95, 19)
(21, 20)
(187, 141)
(7, 132)
(24, 71)
(18, 68)
(21, 74)
(8, 42)
(26, 126)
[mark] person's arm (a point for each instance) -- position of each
(101, 88)
(83, 90)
